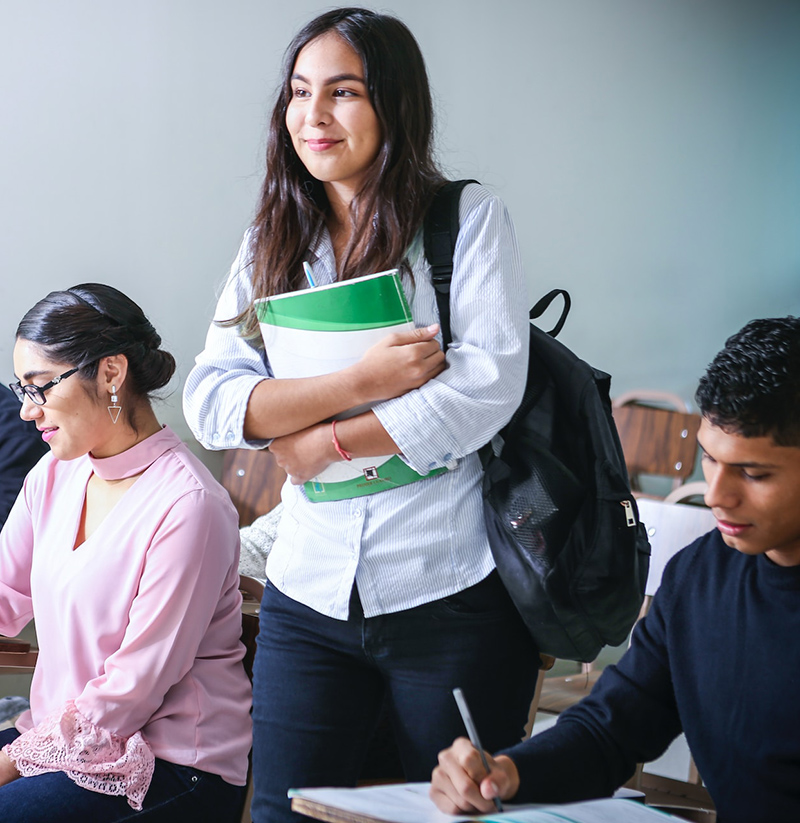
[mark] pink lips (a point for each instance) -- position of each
(732, 529)
(321, 145)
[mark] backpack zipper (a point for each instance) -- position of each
(630, 517)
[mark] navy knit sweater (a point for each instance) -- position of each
(717, 657)
(20, 447)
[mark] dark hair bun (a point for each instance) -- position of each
(161, 367)
(85, 323)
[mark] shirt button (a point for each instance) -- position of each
(357, 512)
(230, 435)
(448, 456)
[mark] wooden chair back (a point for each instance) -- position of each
(253, 480)
(657, 441)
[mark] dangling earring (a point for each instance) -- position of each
(114, 409)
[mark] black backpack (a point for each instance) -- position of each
(562, 522)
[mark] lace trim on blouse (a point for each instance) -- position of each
(94, 758)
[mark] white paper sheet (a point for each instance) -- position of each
(409, 803)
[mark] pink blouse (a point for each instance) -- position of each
(138, 627)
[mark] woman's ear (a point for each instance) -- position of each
(112, 373)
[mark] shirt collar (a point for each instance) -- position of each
(135, 459)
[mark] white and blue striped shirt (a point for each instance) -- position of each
(415, 543)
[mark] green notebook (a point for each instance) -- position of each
(322, 330)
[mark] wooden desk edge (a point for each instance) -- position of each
(321, 811)
(23, 661)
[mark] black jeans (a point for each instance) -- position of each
(320, 685)
(176, 793)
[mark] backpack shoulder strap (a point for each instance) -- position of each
(440, 233)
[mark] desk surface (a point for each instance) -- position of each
(409, 803)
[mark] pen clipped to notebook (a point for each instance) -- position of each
(309, 275)
(466, 716)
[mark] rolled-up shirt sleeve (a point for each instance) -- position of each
(459, 411)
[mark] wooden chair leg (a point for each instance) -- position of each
(534, 705)
(635, 781)
(546, 662)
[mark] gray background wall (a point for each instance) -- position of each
(649, 151)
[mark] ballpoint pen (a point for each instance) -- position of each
(466, 716)
(309, 274)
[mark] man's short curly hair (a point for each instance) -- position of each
(752, 387)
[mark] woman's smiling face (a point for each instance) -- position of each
(74, 421)
(330, 118)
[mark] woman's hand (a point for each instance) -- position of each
(306, 453)
(460, 784)
(8, 771)
(398, 363)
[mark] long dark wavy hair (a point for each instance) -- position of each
(388, 209)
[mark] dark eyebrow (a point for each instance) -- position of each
(29, 375)
(332, 81)
(752, 464)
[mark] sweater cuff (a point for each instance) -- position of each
(93, 758)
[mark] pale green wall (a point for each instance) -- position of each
(649, 151)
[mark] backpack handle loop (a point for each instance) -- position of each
(543, 305)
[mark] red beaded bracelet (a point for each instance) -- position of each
(345, 455)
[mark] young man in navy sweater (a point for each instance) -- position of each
(718, 655)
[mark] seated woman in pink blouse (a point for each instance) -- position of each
(124, 549)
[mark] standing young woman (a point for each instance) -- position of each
(125, 550)
(390, 596)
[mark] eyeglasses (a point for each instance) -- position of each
(36, 393)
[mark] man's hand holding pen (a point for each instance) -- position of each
(460, 784)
